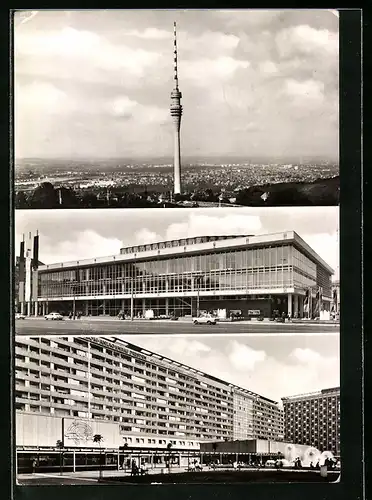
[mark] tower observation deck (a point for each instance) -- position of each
(176, 113)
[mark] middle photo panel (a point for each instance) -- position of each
(225, 271)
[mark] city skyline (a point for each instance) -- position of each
(98, 83)
(305, 363)
(102, 233)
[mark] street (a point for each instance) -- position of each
(39, 326)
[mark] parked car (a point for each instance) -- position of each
(280, 320)
(260, 318)
(54, 316)
(208, 320)
(20, 316)
(270, 463)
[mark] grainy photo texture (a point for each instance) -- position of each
(177, 347)
(176, 108)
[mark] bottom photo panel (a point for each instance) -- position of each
(147, 409)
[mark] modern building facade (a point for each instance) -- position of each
(223, 274)
(314, 419)
(148, 400)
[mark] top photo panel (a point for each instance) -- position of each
(175, 108)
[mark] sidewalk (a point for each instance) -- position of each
(189, 320)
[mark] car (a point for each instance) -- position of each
(20, 316)
(54, 316)
(208, 320)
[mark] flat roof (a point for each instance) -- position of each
(219, 244)
(115, 341)
(322, 392)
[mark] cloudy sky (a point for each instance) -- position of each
(77, 234)
(97, 83)
(271, 365)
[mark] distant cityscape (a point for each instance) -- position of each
(135, 183)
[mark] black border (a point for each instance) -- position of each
(352, 484)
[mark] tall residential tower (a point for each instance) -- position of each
(176, 113)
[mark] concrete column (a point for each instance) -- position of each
(167, 306)
(36, 310)
(301, 305)
(23, 308)
(295, 304)
(104, 307)
(118, 458)
(143, 306)
(28, 308)
(289, 310)
(73, 461)
(44, 308)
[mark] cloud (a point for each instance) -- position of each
(206, 225)
(123, 106)
(86, 245)
(305, 355)
(306, 40)
(273, 371)
(144, 236)
(42, 95)
(149, 34)
(326, 245)
(243, 357)
(268, 67)
(266, 62)
(67, 45)
(212, 43)
(179, 348)
(310, 89)
(204, 71)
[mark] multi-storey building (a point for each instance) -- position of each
(314, 419)
(266, 273)
(150, 400)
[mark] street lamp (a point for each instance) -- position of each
(198, 280)
(132, 291)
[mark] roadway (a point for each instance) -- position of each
(87, 326)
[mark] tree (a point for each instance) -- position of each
(68, 197)
(44, 196)
(98, 438)
(21, 200)
(169, 448)
(123, 449)
(60, 446)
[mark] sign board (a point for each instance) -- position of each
(254, 312)
(81, 432)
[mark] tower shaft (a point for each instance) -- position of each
(176, 113)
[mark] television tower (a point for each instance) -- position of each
(176, 113)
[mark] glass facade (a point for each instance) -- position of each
(242, 270)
